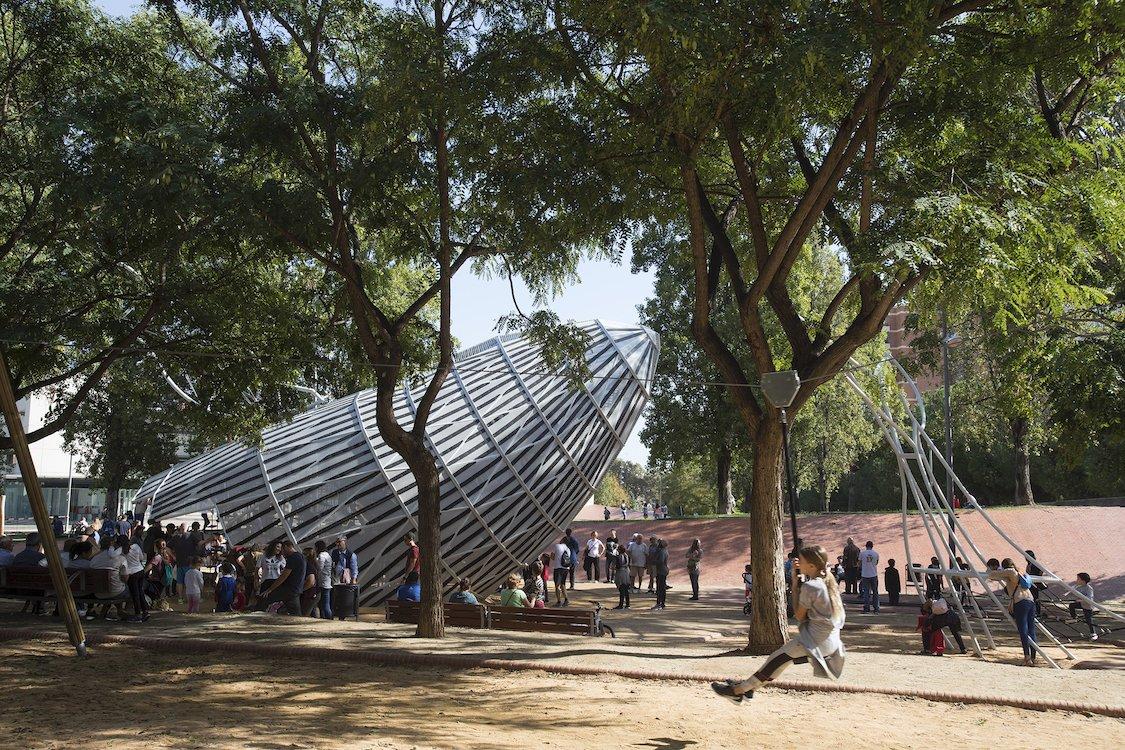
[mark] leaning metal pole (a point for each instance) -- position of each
(789, 479)
(39, 508)
(948, 425)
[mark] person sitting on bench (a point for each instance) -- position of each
(463, 594)
(111, 559)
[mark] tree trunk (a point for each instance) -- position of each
(431, 618)
(113, 499)
(822, 483)
(725, 497)
(1023, 493)
(769, 624)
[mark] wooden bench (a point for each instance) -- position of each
(35, 584)
(456, 615)
(548, 620)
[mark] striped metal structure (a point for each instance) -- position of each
(520, 450)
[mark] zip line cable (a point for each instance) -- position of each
(231, 356)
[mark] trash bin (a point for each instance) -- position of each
(345, 601)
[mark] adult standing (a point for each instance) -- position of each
(869, 570)
(611, 546)
(658, 558)
(271, 567)
(624, 512)
(1021, 606)
(560, 565)
(289, 585)
(345, 578)
(648, 565)
(851, 567)
(134, 555)
(252, 569)
(646, 509)
(622, 578)
(694, 557)
(153, 533)
(638, 560)
(324, 578)
(311, 591)
(572, 542)
(595, 549)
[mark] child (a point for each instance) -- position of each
(892, 583)
(1082, 585)
(193, 586)
(933, 642)
(239, 603)
(225, 587)
(748, 583)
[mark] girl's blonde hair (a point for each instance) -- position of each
(515, 581)
(819, 557)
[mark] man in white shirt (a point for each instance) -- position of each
(869, 573)
(594, 551)
(560, 567)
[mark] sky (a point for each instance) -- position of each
(606, 290)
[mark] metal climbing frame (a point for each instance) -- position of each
(916, 455)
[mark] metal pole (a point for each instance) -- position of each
(948, 424)
(789, 478)
(39, 508)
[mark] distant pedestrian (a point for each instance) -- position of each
(638, 559)
(851, 567)
(694, 557)
(622, 578)
(658, 559)
(869, 571)
(324, 579)
(560, 564)
(595, 549)
(575, 547)
(1033, 569)
(646, 509)
(624, 512)
(892, 583)
(605, 512)
(611, 546)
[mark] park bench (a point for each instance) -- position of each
(456, 615)
(560, 620)
(35, 585)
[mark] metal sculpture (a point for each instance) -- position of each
(519, 447)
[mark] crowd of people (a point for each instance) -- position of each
(154, 566)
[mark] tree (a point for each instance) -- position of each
(114, 241)
(785, 123)
(422, 138)
(126, 430)
(610, 493)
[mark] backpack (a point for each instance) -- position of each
(564, 559)
(1025, 581)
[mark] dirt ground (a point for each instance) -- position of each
(128, 698)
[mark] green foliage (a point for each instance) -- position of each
(688, 489)
(610, 493)
(639, 483)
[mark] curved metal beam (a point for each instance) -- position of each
(273, 498)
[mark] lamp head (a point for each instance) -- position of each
(780, 388)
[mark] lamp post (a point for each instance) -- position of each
(780, 388)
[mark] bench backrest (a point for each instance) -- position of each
(572, 621)
(456, 615)
(82, 580)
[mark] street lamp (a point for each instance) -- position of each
(949, 340)
(780, 388)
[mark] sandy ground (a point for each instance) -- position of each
(120, 695)
(124, 698)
